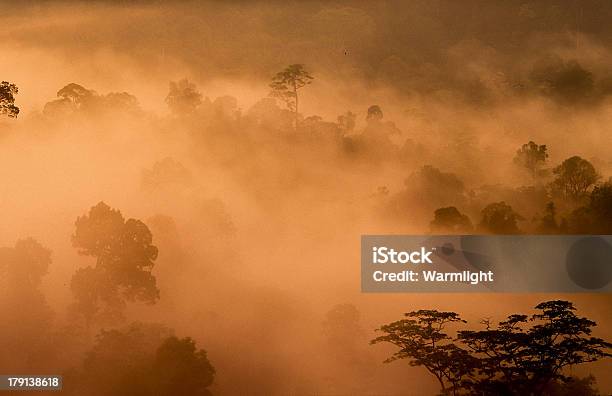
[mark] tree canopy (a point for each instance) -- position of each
(532, 157)
(522, 355)
(574, 177)
(125, 256)
(286, 83)
(7, 99)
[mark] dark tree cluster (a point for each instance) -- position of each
(574, 186)
(124, 254)
(522, 355)
(142, 359)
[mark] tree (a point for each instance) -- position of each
(183, 97)
(142, 359)
(531, 156)
(449, 219)
(523, 355)
(517, 359)
(285, 85)
(76, 94)
(574, 177)
(596, 216)
(179, 368)
(500, 218)
(375, 114)
(25, 332)
(341, 327)
(124, 256)
(548, 222)
(422, 340)
(7, 99)
(346, 122)
(165, 173)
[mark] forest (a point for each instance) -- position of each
(182, 201)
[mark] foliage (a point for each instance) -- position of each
(523, 355)
(422, 340)
(499, 218)
(374, 113)
(7, 99)
(449, 219)
(286, 83)
(574, 177)
(180, 368)
(124, 256)
(548, 222)
(24, 332)
(142, 359)
(183, 97)
(596, 216)
(531, 156)
(74, 98)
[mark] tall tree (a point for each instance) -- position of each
(124, 255)
(574, 177)
(7, 99)
(285, 85)
(531, 156)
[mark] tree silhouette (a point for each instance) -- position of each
(422, 340)
(179, 368)
(7, 99)
(523, 355)
(74, 97)
(449, 219)
(142, 359)
(124, 256)
(574, 177)
(518, 359)
(285, 85)
(531, 156)
(375, 114)
(183, 97)
(596, 216)
(499, 218)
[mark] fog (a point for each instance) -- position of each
(257, 221)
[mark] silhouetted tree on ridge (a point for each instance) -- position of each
(286, 83)
(522, 355)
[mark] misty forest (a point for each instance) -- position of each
(184, 186)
